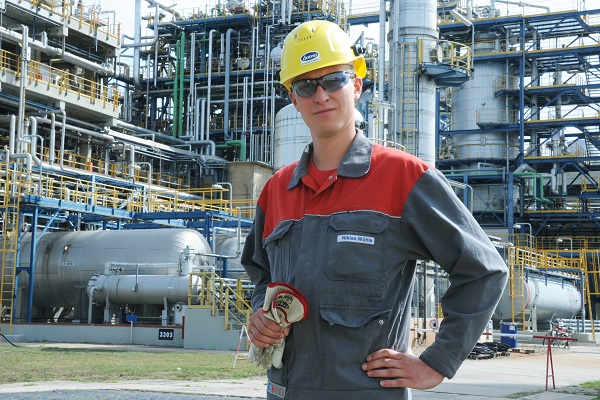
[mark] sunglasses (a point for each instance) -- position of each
(330, 82)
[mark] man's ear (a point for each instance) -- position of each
(293, 98)
(358, 84)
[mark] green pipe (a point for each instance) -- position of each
(535, 176)
(235, 143)
(175, 97)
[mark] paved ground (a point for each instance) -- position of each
(521, 376)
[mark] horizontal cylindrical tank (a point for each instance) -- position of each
(65, 261)
(142, 289)
(552, 298)
(229, 246)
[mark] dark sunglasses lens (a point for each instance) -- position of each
(333, 82)
(330, 82)
(305, 87)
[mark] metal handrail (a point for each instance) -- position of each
(216, 294)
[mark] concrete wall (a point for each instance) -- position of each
(101, 334)
(200, 331)
(203, 331)
(248, 179)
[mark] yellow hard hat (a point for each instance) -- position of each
(317, 44)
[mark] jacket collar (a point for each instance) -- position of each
(356, 161)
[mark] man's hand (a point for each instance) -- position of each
(264, 332)
(401, 370)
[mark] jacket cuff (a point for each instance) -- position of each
(441, 360)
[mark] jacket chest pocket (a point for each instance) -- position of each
(356, 254)
(282, 254)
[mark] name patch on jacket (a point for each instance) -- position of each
(275, 389)
(356, 239)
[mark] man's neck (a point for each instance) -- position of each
(329, 152)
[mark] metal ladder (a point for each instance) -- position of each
(9, 207)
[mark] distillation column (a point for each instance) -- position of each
(413, 27)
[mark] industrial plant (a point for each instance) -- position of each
(131, 164)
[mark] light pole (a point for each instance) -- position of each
(518, 226)
(560, 240)
(219, 185)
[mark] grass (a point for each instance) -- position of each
(41, 363)
(587, 388)
(595, 386)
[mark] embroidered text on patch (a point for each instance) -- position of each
(356, 239)
(275, 389)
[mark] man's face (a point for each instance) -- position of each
(328, 113)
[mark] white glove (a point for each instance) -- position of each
(285, 305)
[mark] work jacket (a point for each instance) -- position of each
(350, 246)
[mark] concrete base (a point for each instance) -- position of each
(200, 331)
(587, 338)
(169, 336)
(203, 331)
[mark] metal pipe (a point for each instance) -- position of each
(209, 80)
(137, 43)
(12, 134)
(227, 77)
(159, 135)
(43, 47)
(191, 111)
(52, 145)
(24, 65)
(381, 50)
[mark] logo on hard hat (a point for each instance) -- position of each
(310, 57)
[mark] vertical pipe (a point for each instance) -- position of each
(208, 81)
(52, 145)
(181, 57)
(175, 130)
(227, 68)
(11, 135)
(137, 18)
(32, 260)
(245, 105)
(381, 50)
(192, 110)
(24, 66)
(63, 134)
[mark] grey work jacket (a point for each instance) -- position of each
(351, 247)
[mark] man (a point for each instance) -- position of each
(344, 226)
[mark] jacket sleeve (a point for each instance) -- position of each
(255, 260)
(438, 227)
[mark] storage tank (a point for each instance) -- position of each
(65, 261)
(476, 105)
(231, 247)
(413, 27)
(552, 297)
(291, 137)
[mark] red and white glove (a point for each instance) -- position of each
(285, 305)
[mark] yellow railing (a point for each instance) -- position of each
(209, 291)
(64, 81)
(576, 257)
(453, 54)
(91, 193)
(92, 19)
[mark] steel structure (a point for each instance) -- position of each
(507, 106)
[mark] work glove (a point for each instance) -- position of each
(285, 305)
